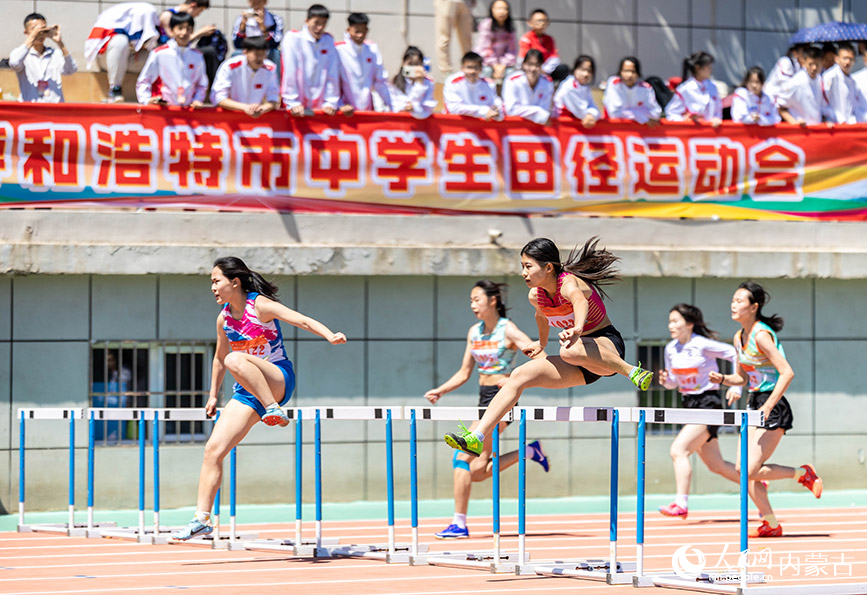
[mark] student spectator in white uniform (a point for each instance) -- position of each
(574, 96)
(361, 70)
(411, 89)
(860, 77)
(311, 68)
(466, 93)
(628, 97)
(750, 104)
(696, 98)
(248, 83)
(259, 22)
(842, 104)
(528, 94)
(801, 101)
(784, 71)
(174, 73)
(130, 26)
(39, 67)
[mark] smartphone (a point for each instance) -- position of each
(410, 72)
(51, 31)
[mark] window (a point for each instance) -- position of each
(151, 374)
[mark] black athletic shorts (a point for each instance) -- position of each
(608, 332)
(487, 394)
(707, 400)
(781, 415)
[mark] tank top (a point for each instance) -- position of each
(559, 312)
(251, 335)
(490, 351)
(763, 375)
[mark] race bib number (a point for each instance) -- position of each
(756, 379)
(486, 354)
(258, 347)
(686, 378)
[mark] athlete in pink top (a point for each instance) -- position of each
(564, 295)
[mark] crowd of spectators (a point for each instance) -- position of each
(502, 75)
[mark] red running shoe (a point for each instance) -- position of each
(811, 480)
(764, 530)
(674, 509)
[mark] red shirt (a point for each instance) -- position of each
(531, 41)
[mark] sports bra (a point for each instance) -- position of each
(559, 310)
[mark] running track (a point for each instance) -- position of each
(42, 563)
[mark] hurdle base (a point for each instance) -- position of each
(484, 560)
(593, 569)
(706, 583)
(400, 554)
(60, 528)
(223, 542)
(307, 547)
(149, 536)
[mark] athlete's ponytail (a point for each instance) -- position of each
(494, 290)
(759, 296)
(251, 281)
(693, 316)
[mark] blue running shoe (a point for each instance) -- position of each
(194, 529)
(275, 416)
(539, 455)
(453, 532)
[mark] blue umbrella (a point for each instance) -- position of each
(834, 31)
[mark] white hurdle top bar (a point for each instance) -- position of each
(706, 417)
(52, 413)
(371, 413)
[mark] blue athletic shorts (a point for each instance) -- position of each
(242, 395)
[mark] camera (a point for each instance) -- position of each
(410, 72)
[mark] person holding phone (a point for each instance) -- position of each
(411, 89)
(40, 67)
(258, 21)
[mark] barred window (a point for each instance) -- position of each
(651, 354)
(151, 374)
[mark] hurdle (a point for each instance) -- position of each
(493, 560)
(72, 414)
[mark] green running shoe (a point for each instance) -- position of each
(465, 441)
(641, 377)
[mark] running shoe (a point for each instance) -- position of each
(674, 509)
(275, 416)
(539, 455)
(811, 480)
(194, 529)
(764, 530)
(465, 441)
(453, 532)
(641, 378)
(115, 95)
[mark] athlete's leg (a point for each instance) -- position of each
(261, 378)
(713, 459)
(689, 440)
(597, 354)
(762, 444)
(463, 483)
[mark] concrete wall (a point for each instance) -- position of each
(740, 33)
(406, 334)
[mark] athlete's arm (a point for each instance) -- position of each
(766, 345)
(218, 369)
(458, 379)
(515, 337)
(535, 348)
(580, 306)
(267, 310)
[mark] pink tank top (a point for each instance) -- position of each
(560, 313)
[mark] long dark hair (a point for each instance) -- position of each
(693, 316)
(251, 281)
(581, 60)
(694, 62)
(507, 24)
(635, 63)
(398, 80)
(595, 266)
(494, 290)
(755, 70)
(759, 296)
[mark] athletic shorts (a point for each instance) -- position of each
(707, 400)
(781, 415)
(609, 332)
(487, 394)
(242, 395)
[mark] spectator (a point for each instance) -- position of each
(448, 15)
(248, 83)
(750, 104)
(842, 104)
(829, 56)
(119, 29)
(311, 68)
(174, 73)
(630, 98)
(801, 100)
(574, 95)
(194, 8)
(465, 93)
(528, 93)
(411, 90)
(208, 39)
(783, 71)
(860, 77)
(496, 42)
(536, 38)
(256, 22)
(361, 70)
(39, 67)
(697, 98)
